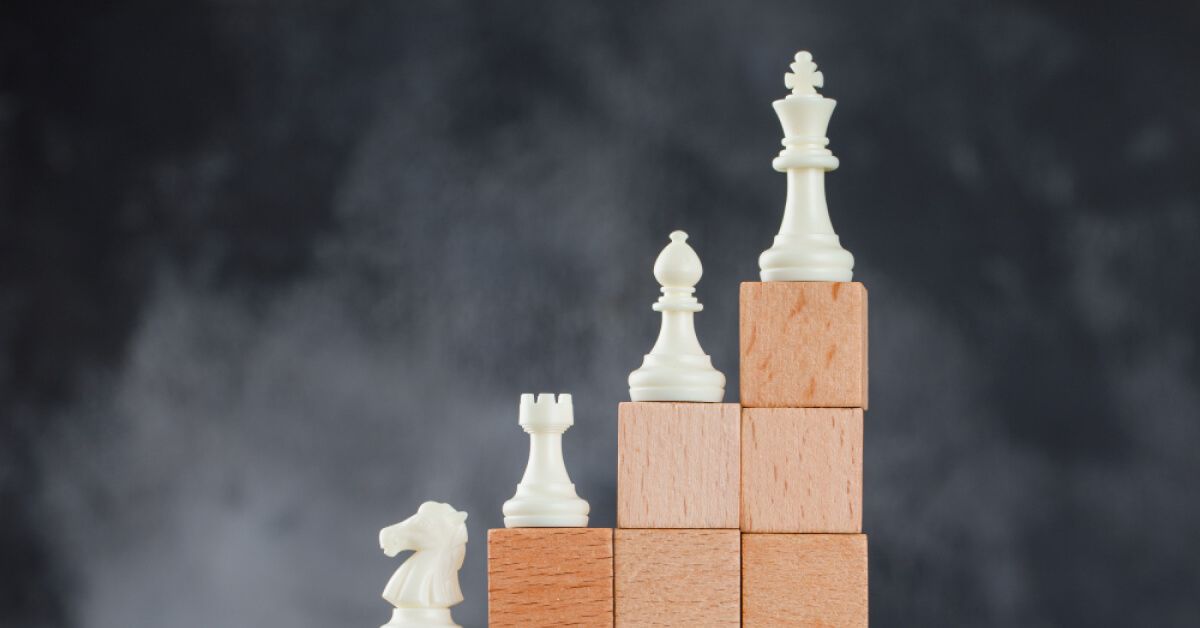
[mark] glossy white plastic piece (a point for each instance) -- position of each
(806, 247)
(677, 369)
(546, 497)
(425, 587)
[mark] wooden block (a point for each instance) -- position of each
(677, 465)
(813, 580)
(550, 577)
(803, 345)
(802, 469)
(680, 578)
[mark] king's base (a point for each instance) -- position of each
(421, 618)
(807, 257)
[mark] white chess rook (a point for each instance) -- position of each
(546, 497)
(806, 247)
(677, 369)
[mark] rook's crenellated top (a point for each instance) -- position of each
(546, 411)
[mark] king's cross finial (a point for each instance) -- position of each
(804, 77)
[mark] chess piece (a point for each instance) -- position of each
(677, 369)
(806, 247)
(425, 587)
(546, 497)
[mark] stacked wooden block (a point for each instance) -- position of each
(804, 390)
(727, 514)
(677, 547)
(543, 577)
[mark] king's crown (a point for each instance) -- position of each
(804, 77)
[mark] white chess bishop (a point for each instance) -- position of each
(806, 247)
(425, 587)
(546, 497)
(677, 369)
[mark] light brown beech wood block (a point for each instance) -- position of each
(812, 580)
(550, 577)
(803, 344)
(802, 469)
(677, 465)
(682, 578)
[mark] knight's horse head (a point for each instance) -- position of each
(435, 525)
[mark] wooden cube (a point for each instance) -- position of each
(802, 469)
(812, 580)
(550, 577)
(803, 345)
(677, 465)
(679, 578)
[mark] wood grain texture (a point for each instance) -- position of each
(682, 578)
(811, 580)
(802, 469)
(677, 465)
(803, 344)
(550, 577)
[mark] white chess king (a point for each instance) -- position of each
(677, 369)
(425, 587)
(546, 497)
(806, 247)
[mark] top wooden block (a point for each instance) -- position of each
(803, 344)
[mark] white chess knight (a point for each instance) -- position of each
(546, 497)
(677, 369)
(425, 587)
(806, 247)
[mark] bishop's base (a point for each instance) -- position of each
(421, 618)
(677, 378)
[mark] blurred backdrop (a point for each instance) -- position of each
(272, 274)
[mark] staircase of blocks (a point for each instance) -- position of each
(727, 514)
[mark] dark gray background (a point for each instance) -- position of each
(271, 275)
